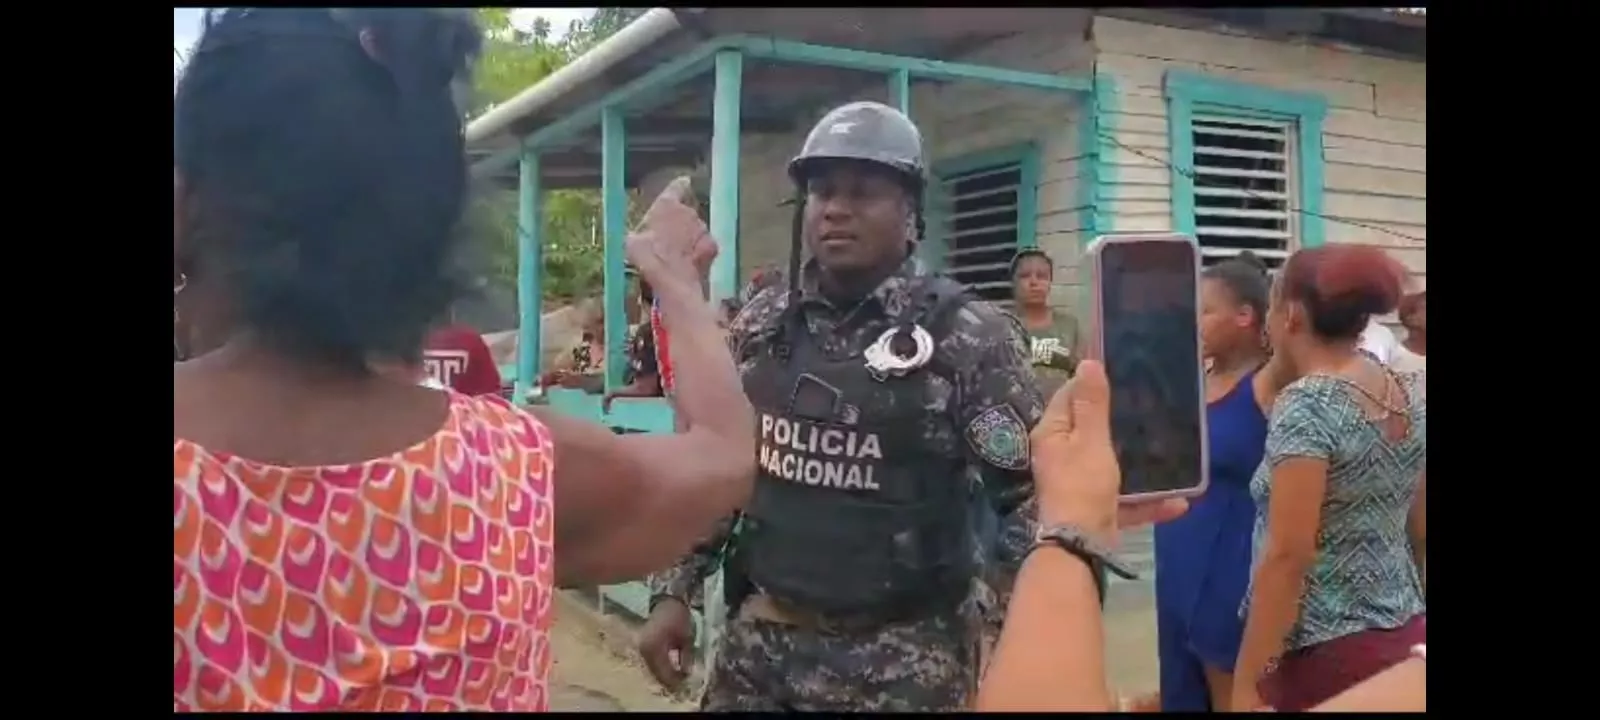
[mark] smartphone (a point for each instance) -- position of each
(1145, 293)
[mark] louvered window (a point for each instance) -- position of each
(977, 217)
(1243, 188)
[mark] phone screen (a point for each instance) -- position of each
(1149, 328)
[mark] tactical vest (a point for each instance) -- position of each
(853, 511)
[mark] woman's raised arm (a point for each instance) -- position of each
(627, 505)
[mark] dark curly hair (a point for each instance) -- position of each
(1245, 276)
(1016, 260)
(324, 174)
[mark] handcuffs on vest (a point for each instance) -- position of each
(883, 361)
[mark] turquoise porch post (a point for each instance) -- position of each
(931, 247)
(900, 91)
(614, 209)
(725, 120)
(725, 136)
(530, 272)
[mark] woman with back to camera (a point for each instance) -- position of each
(1340, 539)
(1203, 558)
(347, 540)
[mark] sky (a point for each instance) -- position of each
(186, 24)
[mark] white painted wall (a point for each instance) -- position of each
(956, 119)
(1374, 138)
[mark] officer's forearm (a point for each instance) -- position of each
(684, 582)
(1017, 528)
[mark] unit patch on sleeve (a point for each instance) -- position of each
(999, 437)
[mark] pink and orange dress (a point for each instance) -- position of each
(422, 581)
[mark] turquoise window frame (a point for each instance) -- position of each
(1190, 93)
(1025, 156)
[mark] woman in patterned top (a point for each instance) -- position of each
(1336, 593)
(344, 539)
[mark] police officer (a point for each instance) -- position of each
(886, 397)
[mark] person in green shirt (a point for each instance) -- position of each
(1055, 339)
(1055, 347)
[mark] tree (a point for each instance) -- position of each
(605, 22)
(513, 60)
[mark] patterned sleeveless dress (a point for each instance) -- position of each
(421, 581)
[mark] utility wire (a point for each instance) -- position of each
(1190, 173)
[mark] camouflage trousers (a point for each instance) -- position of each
(994, 595)
(763, 665)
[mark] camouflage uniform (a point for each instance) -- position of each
(855, 664)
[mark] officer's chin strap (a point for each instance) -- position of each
(796, 227)
(791, 311)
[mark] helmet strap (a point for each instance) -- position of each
(795, 245)
(918, 228)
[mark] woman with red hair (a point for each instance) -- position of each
(1336, 591)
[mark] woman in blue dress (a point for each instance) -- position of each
(1203, 558)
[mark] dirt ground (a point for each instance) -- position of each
(596, 671)
(1131, 638)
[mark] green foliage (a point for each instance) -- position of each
(605, 22)
(513, 60)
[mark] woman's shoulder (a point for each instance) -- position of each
(498, 412)
(488, 421)
(1333, 398)
(1311, 389)
(512, 439)
(1322, 398)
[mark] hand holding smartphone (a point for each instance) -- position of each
(1145, 293)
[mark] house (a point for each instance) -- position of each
(1262, 129)
(1250, 128)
